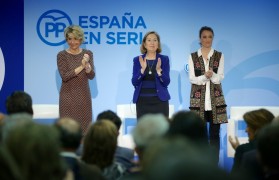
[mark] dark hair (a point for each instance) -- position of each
(19, 102)
(110, 115)
(206, 28)
(188, 124)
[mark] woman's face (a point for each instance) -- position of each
(73, 42)
(151, 43)
(206, 39)
(250, 132)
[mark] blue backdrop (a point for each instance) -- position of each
(246, 31)
(11, 49)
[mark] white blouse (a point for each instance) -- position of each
(202, 80)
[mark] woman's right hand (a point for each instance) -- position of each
(85, 60)
(143, 64)
(235, 143)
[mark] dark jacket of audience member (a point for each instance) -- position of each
(268, 149)
(9, 168)
(180, 159)
(255, 120)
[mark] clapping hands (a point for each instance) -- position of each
(158, 67)
(85, 63)
(208, 74)
(143, 64)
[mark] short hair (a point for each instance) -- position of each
(256, 119)
(205, 28)
(100, 144)
(188, 124)
(149, 128)
(70, 132)
(143, 50)
(76, 30)
(19, 102)
(111, 116)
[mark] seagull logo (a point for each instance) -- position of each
(51, 25)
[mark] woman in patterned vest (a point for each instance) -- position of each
(206, 71)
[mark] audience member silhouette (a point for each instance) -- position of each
(149, 128)
(99, 148)
(19, 102)
(70, 138)
(35, 149)
(268, 148)
(122, 155)
(255, 120)
(178, 158)
(9, 169)
(12, 120)
(190, 125)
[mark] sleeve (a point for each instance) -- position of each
(198, 80)
(137, 76)
(217, 78)
(164, 79)
(65, 73)
(91, 75)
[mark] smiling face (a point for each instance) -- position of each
(151, 44)
(206, 39)
(73, 41)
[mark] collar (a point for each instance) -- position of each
(209, 54)
(69, 154)
(157, 56)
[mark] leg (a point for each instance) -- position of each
(140, 110)
(214, 134)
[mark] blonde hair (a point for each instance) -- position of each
(143, 50)
(76, 31)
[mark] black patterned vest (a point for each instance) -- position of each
(197, 96)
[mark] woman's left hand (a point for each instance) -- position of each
(87, 68)
(158, 67)
(235, 143)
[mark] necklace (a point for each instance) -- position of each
(150, 68)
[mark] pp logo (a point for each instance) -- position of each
(2, 69)
(51, 25)
(186, 67)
